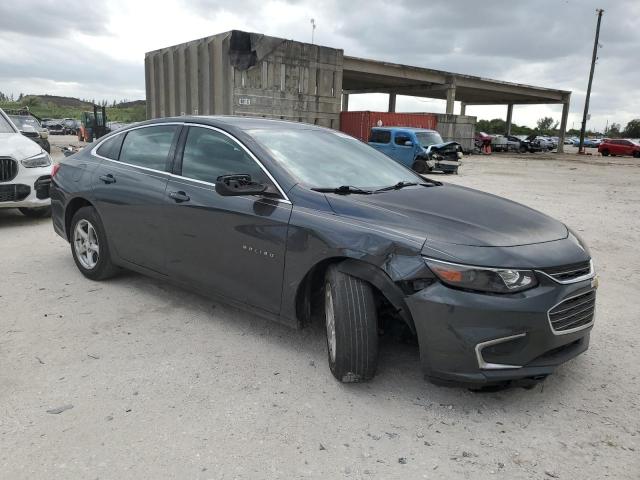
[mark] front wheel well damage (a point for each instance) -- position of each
(388, 296)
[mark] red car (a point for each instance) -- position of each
(615, 147)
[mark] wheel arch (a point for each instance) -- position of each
(72, 207)
(309, 297)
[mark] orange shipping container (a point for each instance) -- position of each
(359, 124)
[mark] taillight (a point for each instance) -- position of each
(54, 169)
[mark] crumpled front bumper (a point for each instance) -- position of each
(476, 339)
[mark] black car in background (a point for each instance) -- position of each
(30, 127)
(297, 222)
(55, 127)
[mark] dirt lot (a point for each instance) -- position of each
(167, 384)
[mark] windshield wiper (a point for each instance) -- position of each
(397, 186)
(343, 190)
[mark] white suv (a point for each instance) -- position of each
(25, 172)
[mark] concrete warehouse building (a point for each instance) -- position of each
(250, 74)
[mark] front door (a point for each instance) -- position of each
(233, 246)
(402, 152)
(130, 192)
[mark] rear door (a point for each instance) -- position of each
(130, 192)
(381, 140)
(233, 246)
(626, 147)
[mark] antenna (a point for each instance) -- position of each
(313, 29)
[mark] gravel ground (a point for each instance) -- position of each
(167, 384)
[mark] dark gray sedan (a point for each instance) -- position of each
(297, 222)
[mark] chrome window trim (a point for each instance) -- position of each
(184, 181)
(94, 152)
(571, 330)
(588, 276)
(247, 151)
(495, 366)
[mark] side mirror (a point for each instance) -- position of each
(408, 143)
(238, 184)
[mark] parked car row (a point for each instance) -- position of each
(25, 168)
(65, 126)
(30, 127)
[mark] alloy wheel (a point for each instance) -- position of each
(86, 244)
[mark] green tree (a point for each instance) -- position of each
(614, 130)
(632, 130)
(546, 125)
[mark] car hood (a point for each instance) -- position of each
(17, 146)
(451, 214)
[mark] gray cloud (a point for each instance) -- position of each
(45, 19)
(546, 43)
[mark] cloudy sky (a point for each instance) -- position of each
(97, 50)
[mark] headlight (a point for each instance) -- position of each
(41, 160)
(44, 133)
(495, 280)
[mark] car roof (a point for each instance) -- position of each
(411, 129)
(240, 123)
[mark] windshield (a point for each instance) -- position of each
(21, 120)
(427, 139)
(5, 126)
(325, 159)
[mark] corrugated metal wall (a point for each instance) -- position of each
(459, 128)
(359, 124)
(237, 73)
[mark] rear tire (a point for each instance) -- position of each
(36, 212)
(351, 322)
(522, 149)
(89, 245)
(636, 154)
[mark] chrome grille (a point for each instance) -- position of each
(566, 273)
(574, 312)
(8, 169)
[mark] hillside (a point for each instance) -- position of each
(53, 106)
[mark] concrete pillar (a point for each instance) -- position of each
(392, 102)
(463, 108)
(345, 102)
(451, 99)
(563, 123)
(509, 117)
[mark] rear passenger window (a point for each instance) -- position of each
(148, 147)
(209, 154)
(380, 136)
(111, 147)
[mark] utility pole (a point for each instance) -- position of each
(313, 29)
(593, 66)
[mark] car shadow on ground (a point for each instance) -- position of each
(399, 371)
(11, 217)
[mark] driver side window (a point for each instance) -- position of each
(209, 154)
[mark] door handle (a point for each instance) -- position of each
(180, 196)
(107, 178)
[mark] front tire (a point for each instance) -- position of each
(36, 212)
(89, 245)
(352, 327)
(605, 153)
(420, 166)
